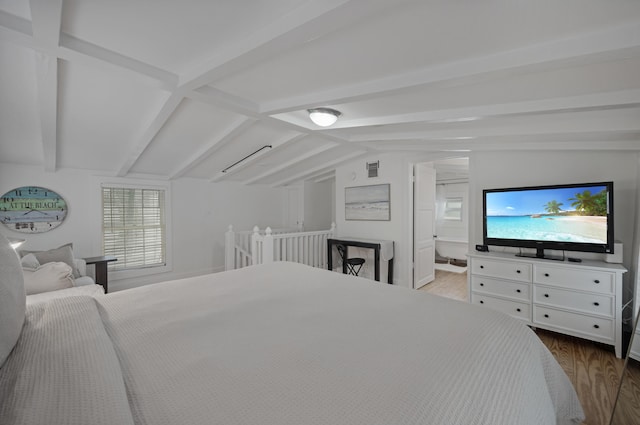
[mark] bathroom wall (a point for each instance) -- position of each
(447, 228)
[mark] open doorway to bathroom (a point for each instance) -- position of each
(452, 214)
(440, 222)
(451, 228)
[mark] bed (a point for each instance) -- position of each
(279, 343)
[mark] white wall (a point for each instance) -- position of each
(455, 229)
(318, 205)
(200, 214)
(393, 170)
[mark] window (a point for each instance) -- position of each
(453, 209)
(133, 228)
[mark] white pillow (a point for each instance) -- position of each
(48, 277)
(12, 298)
(62, 253)
(30, 261)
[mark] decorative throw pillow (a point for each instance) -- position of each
(30, 262)
(48, 277)
(62, 253)
(12, 298)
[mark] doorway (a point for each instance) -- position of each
(440, 221)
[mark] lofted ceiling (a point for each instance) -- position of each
(169, 89)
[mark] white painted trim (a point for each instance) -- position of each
(168, 208)
(551, 55)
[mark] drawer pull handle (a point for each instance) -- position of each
(481, 302)
(546, 275)
(546, 315)
(546, 295)
(517, 271)
(596, 281)
(518, 291)
(596, 326)
(482, 267)
(481, 284)
(596, 304)
(518, 310)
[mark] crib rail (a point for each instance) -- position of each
(258, 247)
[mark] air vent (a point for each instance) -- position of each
(372, 168)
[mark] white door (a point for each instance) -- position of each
(424, 207)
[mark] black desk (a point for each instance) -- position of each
(363, 243)
(101, 269)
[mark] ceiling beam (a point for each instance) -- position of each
(46, 21)
(590, 48)
(306, 22)
(220, 99)
(64, 46)
(46, 18)
(522, 143)
(15, 29)
(161, 118)
(47, 94)
(613, 121)
(275, 146)
(74, 49)
(326, 166)
(290, 163)
(237, 128)
(606, 100)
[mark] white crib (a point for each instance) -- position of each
(245, 248)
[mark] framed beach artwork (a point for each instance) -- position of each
(367, 203)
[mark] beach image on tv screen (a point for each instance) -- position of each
(577, 214)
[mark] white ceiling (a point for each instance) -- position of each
(170, 89)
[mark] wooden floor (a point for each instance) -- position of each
(592, 368)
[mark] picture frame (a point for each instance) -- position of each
(368, 203)
(32, 209)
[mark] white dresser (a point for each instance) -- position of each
(580, 299)
(634, 353)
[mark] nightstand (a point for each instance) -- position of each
(101, 269)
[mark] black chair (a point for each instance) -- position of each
(353, 264)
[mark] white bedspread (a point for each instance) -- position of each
(287, 344)
(92, 290)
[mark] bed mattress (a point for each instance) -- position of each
(280, 343)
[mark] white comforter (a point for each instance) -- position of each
(279, 344)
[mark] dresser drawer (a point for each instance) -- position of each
(580, 301)
(513, 308)
(499, 287)
(584, 280)
(595, 327)
(503, 269)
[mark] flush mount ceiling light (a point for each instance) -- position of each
(323, 117)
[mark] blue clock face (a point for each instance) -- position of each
(32, 209)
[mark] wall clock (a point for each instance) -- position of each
(32, 209)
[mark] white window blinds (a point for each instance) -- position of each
(133, 227)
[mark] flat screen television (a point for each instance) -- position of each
(571, 217)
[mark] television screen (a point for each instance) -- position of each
(575, 217)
